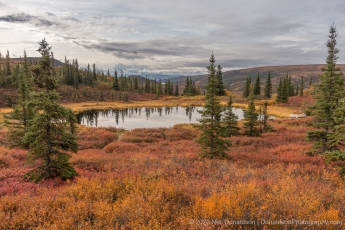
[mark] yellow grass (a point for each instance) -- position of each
(2, 112)
(167, 101)
(273, 109)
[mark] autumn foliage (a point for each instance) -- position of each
(154, 179)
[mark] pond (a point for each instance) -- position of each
(131, 118)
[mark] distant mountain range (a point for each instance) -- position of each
(155, 75)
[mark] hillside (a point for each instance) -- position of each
(234, 80)
(15, 60)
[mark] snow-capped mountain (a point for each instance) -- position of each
(155, 75)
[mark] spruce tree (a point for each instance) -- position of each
(160, 88)
(210, 123)
(337, 137)
(167, 87)
(49, 134)
(230, 121)
(279, 91)
(292, 88)
(116, 86)
(301, 86)
(251, 118)
(77, 77)
(187, 86)
(285, 89)
(246, 90)
(268, 86)
(256, 89)
(94, 75)
(220, 84)
(136, 86)
(176, 93)
(288, 87)
(18, 120)
(264, 118)
(8, 66)
(328, 93)
(53, 65)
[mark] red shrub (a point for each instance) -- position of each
(89, 138)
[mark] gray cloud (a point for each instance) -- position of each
(159, 35)
(26, 18)
(140, 50)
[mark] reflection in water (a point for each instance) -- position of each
(154, 117)
(189, 112)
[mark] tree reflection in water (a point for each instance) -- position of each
(131, 117)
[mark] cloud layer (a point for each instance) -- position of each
(152, 35)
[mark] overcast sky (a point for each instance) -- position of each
(179, 35)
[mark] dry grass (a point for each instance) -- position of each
(163, 102)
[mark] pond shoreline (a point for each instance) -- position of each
(143, 117)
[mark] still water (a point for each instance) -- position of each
(131, 118)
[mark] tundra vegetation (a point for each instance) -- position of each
(162, 178)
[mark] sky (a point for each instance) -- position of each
(174, 36)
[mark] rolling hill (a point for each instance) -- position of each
(16, 60)
(234, 80)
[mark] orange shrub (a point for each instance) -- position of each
(117, 147)
(89, 138)
(165, 185)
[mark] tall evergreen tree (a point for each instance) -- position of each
(67, 71)
(256, 89)
(8, 66)
(53, 65)
(279, 91)
(251, 118)
(116, 86)
(268, 86)
(94, 75)
(220, 83)
(285, 89)
(160, 88)
(292, 87)
(18, 120)
(264, 118)
(246, 90)
(167, 87)
(329, 91)
(301, 86)
(48, 134)
(176, 93)
(230, 120)
(187, 87)
(210, 123)
(77, 77)
(288, 87)
(136, 86)
(147, 85)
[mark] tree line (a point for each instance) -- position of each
(285, 89)
(217, 123)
